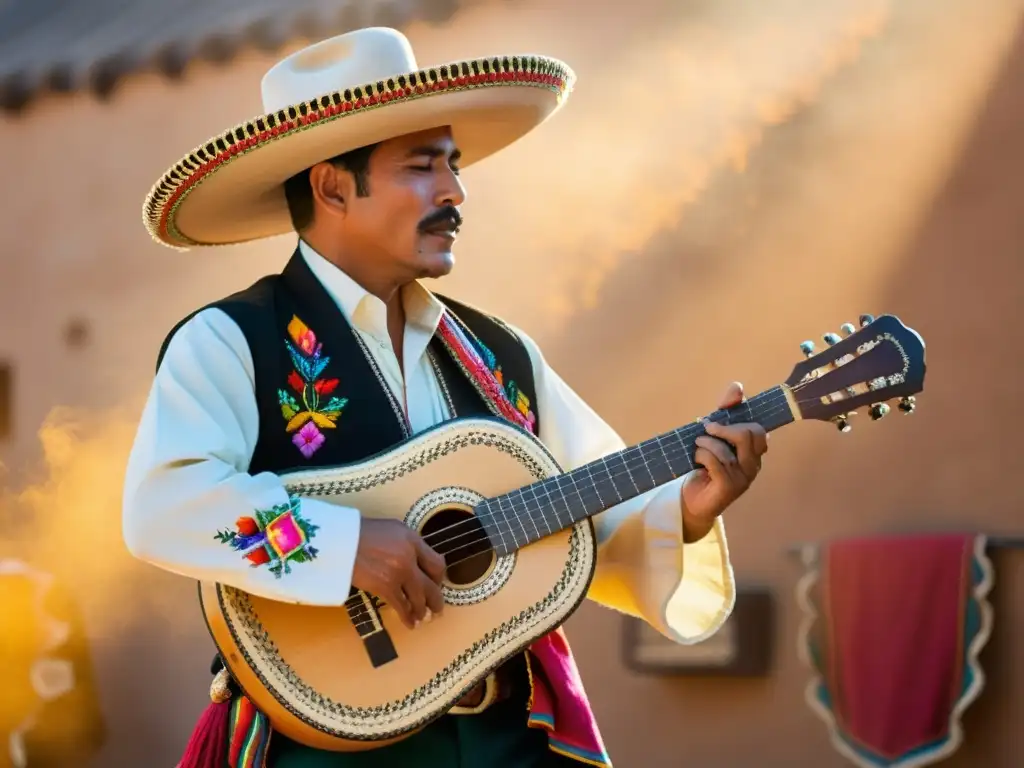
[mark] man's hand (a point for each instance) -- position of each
(396, 565)
(731, 456)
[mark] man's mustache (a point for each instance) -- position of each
(446, 216)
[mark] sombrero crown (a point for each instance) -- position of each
(334, 96)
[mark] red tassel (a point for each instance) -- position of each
(208, 747)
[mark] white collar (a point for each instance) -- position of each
(367, 312)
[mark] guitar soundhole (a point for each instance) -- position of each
(458, 535)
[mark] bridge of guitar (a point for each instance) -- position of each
(364, 611)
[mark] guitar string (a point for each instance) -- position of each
(669, 452)
(362, 611)
(772, 410)
(673, 452)
(769, 396)
(774, 397)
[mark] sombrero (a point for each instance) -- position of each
(334, 96)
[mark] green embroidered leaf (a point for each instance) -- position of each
(225, 537)
(284, 397)
(289, 405)
(334, 405)
(302, 557)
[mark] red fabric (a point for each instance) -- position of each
(892, 637)
(209, 742)
(560, 703)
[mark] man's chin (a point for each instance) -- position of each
(438, 264)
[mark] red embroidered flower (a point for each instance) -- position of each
(295, 382)
(258, 556)
(325, 386)
(247, 526)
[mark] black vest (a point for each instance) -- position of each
(307, 358)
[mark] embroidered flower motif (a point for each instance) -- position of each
(311, 408)
(276, 537)
(309, 439)
(304, 338)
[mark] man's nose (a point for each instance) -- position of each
(451, 191)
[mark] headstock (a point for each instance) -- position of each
(882, 360)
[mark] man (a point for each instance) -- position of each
(368, 176)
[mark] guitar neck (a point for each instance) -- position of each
(540, 509)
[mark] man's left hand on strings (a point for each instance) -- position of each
(731, 459)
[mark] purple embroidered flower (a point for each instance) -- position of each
(308, 439)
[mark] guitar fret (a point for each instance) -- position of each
(537, 505)
(520, 530)
(668, 462)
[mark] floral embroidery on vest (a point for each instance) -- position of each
(318, 409)
(517, 398)
(277, 536)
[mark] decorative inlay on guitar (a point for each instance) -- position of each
(516, 533)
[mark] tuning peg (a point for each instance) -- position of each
(878, 410)
(908, 404)
(842, 422)
(807, 348)
(847, 329)
(831, 339)
(866, 320)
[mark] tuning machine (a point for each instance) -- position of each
(807, 348)
(908, 404)
(842, 422)
(866, 320)
(847, 329)
(879, 410)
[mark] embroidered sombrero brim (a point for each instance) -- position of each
(230, 189)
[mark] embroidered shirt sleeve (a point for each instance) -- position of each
(191, 507)
(644, 568)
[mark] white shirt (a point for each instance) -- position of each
(187, 473)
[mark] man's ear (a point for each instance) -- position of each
(330, 188)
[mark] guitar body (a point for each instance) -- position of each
(309, 670)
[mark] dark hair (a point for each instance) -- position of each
(299, 193)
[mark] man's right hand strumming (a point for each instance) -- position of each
(396, 565)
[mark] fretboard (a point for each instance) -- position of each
(532, 512)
